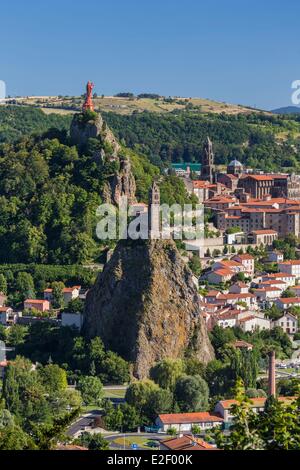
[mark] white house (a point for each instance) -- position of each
(289, 279)
(267, 293)
(287, 303)
(288, 322)
(281, 285)
(290, 267)
(254, 322)
(69, 293)
(185, 421)
(232, 299)
(247, 261)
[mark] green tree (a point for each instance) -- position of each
(139, 393)
(53, 378)
(131, 418)
(25, 286)
(91, 390)
(3, 284)
(16, 335)
(57, 294)
(191, 393)
(195, 265)
(92, 441)
(13, 438)
(243, 435)
(166, 372)
(114, 369)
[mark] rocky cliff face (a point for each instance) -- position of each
(85, 126)
(145, 306)
(120, 184)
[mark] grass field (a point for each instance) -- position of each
(128, 106)
(114, 393)
(140, 441)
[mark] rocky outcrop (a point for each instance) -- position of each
(90, 125)
(122, 183)
(145, 306)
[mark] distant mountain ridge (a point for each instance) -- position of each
(287, 110)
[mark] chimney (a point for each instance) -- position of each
(272, 380)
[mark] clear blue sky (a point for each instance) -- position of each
(240, 51)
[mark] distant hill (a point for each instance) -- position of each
(287, 110)
(127, 105)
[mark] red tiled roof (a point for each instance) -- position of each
(275, 275)
(230, 262)
(35, 301)
(243, 320)
(245, 256)
(290, 300)
(4, 309)
(202, 184)
(261, 177)
(184, 418)
(185, 443)
(229, 296)
(268, 289)
(292, 262)
(223, 272)
(276, 281)
(264, 232)
(69, 447)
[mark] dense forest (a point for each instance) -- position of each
(257, 140)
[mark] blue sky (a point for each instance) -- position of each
(245, 52)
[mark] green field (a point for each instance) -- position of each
(140, 441)
(114, 393)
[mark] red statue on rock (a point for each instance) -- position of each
(88, 104)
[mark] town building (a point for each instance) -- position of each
(235, 168)
(288, 322)
(286, 303)
(36, 304)
(224, 407)
(247, 261)
(267, 293)
(208, 167)
(183, 422)
(69, 293)
(254, 323)
(185, 443)
(290, 267)
(7, 316)
(288, 279)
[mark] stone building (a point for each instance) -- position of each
(257, 185)
(235, 168)
(208, 167)
(154, 223)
